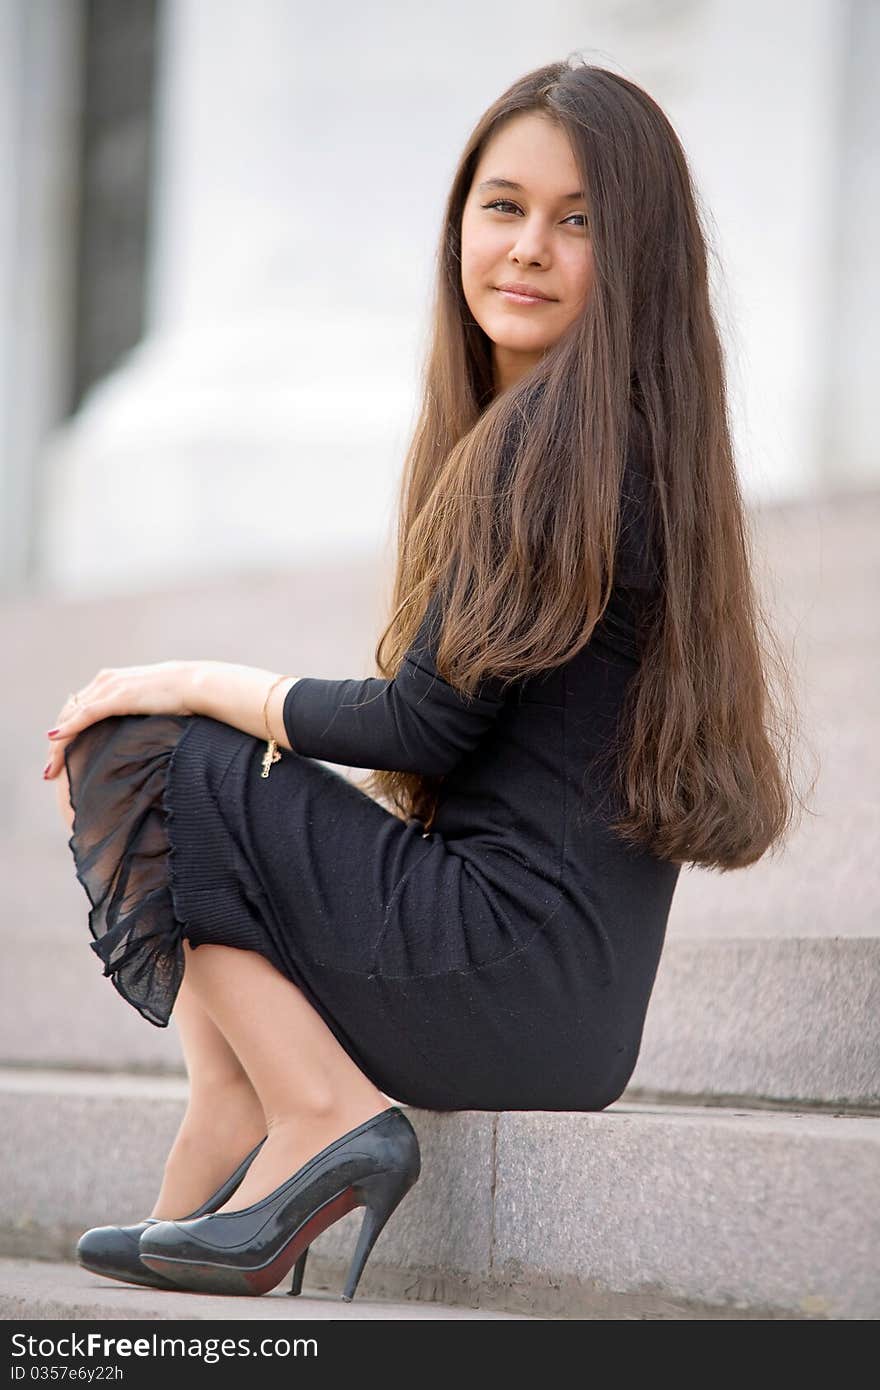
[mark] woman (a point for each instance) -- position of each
(573, 706)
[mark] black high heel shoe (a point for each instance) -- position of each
(113, 1250)
(250, 1251)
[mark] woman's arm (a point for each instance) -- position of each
(235, 695)
(413, 722)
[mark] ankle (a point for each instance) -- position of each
(334, 1114)
(221, 1120)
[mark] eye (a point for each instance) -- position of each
(506, 203)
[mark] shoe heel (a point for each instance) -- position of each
(299, 1270)
(380, 1194)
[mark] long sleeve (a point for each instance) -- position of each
(413, 722)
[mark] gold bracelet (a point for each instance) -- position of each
(271, 755)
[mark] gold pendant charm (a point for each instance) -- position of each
(270, 756)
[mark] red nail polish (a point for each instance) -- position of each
(46, 769)
(51, 732)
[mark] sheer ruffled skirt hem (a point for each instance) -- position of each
(119, 773)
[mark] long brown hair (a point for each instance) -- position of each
(511, 502)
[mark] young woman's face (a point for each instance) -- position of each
(534, 235)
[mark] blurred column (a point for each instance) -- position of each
(851, 455)
(39, 101)
(265, 412)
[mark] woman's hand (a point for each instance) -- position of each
(162, 688)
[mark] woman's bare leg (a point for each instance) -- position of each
(224, 1119)
(311, 1090)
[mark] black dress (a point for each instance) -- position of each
(502, 961)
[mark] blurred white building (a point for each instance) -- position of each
(292, 166)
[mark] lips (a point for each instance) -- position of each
(515, 287)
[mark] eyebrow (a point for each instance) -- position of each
(518, 188)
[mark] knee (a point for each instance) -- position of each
(62, 791)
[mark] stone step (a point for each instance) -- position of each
(782, 1021)
(636, 1211)
(786, 1020)
(51, 1289)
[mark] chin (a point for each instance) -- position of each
(523, 344)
